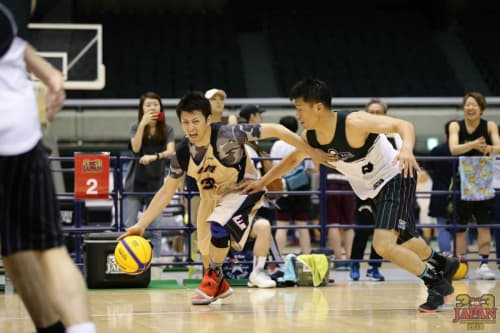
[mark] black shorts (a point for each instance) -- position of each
(394, 207)
(483, 212)
(294, 207)
(29, 211)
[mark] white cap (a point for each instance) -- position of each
(214, 91)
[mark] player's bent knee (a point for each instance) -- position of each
(383, 248)
(262, 225)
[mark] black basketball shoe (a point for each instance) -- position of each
(437, 292)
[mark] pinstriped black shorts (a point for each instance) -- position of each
(394, 206)
(29, 211)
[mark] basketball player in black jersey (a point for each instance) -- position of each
(375, 170)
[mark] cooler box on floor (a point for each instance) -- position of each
(100, 268)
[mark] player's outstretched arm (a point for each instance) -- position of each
(281, 132)
(158, 203)
(250, 186)
(361, 124)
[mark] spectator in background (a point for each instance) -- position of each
(340, 210)
(441, 174)
(152, 141)
(497, 209)
(296, 208)
(32, 242)
(475, 136)
(365, 213)
(265, 214)
(252, 114)
(217, 98)
(424, 184)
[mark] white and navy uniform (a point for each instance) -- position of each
(216, 169)
(372, 174)
(29, 213)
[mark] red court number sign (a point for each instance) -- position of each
(91, 176)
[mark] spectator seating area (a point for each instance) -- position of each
(167, 52)
(479, 32)
(390, 52)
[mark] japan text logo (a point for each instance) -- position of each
(475, 312)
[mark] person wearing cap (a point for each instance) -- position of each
(251, 114)
(32, 241)
(217, 97)
(265, 214)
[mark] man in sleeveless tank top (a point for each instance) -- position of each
(214, 155)
(375, 170)
(475, 136)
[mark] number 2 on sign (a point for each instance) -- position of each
(92, 184)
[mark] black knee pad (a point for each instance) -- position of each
(220, 242)
(220, 236)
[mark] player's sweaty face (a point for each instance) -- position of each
(195, 126)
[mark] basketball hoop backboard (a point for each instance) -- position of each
(75, 49)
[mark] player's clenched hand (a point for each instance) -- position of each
(136, 229)
(249, 186)
(407, 163)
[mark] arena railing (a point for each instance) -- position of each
(77, 229)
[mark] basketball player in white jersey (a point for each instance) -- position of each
(214, 155)
(375, 170)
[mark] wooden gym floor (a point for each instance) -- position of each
(342, 307)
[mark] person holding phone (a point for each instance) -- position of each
(151, 141)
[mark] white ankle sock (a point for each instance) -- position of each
(82, 328)
(259, 263)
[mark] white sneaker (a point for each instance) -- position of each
(259, 279)
(485, 273)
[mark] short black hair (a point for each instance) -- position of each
(478, 97)
(194, 101)
(290, 122)
(312, 91)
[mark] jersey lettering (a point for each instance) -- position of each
(367, 168)
(208, 168)
(240, 222)
(207, 183)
